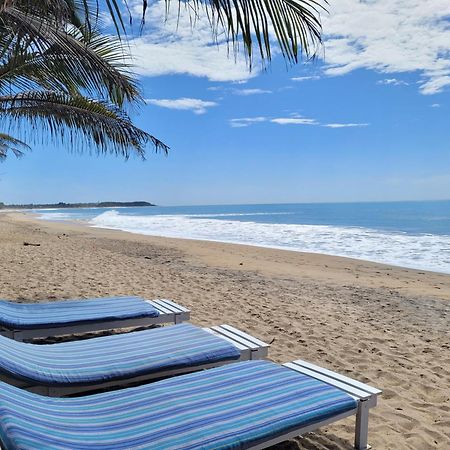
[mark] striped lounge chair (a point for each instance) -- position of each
(23, 321)
(247, 405)
(78, 366)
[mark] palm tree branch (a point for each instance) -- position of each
(75, 12)
(97, 61)
(65, 116)
(295, 24)
(11, 144)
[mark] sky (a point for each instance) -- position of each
(368, 120)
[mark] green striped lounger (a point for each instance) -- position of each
(78, 366)
(22, 321)
(247, 405)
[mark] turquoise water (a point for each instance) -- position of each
(410, 234)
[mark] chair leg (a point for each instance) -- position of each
(362, 426)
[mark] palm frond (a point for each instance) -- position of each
(78, 121)
(75, 12)
(94, 62)
(295, 24)
(11, 144)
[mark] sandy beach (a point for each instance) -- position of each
(387, 326)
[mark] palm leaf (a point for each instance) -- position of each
(77, 120)
(93, 61)
(55, 70)
(11, 144)
(295, 24)
(75, 12)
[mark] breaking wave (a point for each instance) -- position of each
(419, 251)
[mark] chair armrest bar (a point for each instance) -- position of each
(355, 392)
(161, 308)
(244, 335)
(237, 344)
(176, 306)
(338, 377)
(224, 332)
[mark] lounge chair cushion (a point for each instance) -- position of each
(113, 357)
(230, 407)
(38, 315)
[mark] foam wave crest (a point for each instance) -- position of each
(55, 216)
(426, 252)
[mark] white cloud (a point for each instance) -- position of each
(345, 125)
(436, 84)
(195, 105)
(178, 46)
(315, 77)
(435, 105)
(242, 92)
(393, 81)
(294, 121)
(246, 121)
(390, 36)
(246, 92)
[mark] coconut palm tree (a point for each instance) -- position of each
(59, 74)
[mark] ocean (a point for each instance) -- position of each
(408, 234)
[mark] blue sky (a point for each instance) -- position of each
(368, 121)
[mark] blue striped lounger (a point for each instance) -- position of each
(30, 320)
(77, 366)
(245, 405)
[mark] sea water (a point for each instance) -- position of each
(408, 234)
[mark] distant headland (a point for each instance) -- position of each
(77, 205)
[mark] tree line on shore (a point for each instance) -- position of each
(76, 205)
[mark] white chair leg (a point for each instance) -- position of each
(362, 426)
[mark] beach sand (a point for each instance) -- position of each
(384, 325)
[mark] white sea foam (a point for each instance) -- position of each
(240, 214)
(426, 252)
(55, 216)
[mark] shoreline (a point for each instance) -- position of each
(392, 248)
(269, 247)
(343, 268)
(383, 325)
